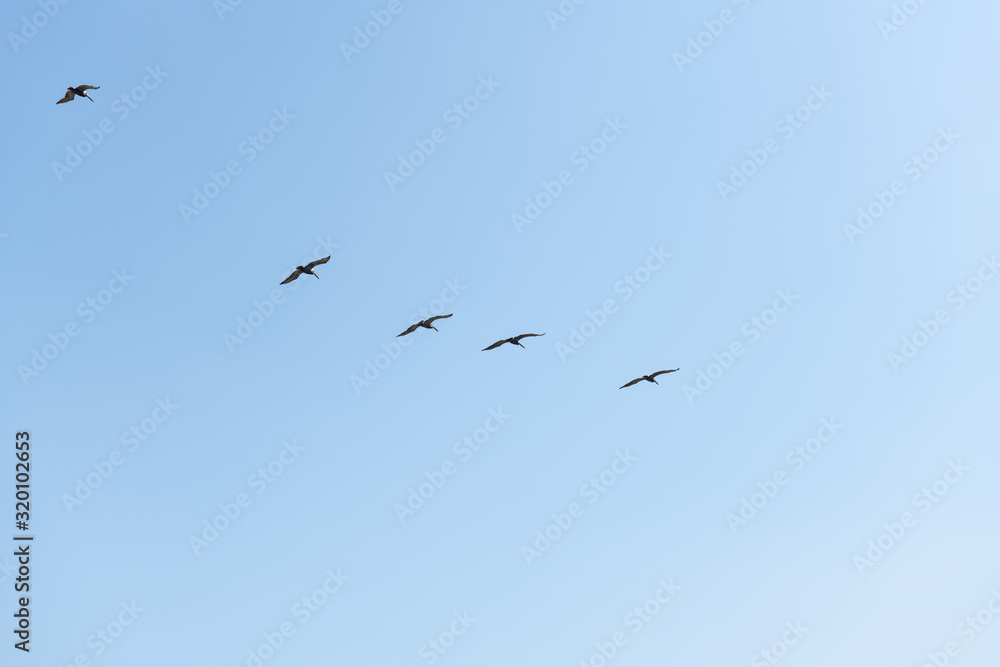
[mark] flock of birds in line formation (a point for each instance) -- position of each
(429, 323)
(81, 91)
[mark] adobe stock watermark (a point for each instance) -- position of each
(629, 284)
(753, 329)
(455, 116)
(702, 40)
(968, 630)
(435, 647)
(249, 149)
(584, 156)
(37, 21)
(635, 620)
(436, 478)
(924, 500)
(263, 310)
(133, 438)
(787, 126)
(8, 568)
(562, 12)
(122, 106)
(391, 350)
(915, 167)
(901, 13)
(963, 293)
(105, 636)
(797, 458)
(363, 35)
(779, 648)
(223, 7)
(260, 481)
(88, 310)
(592, 490)
(303, 611)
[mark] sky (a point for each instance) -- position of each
(792, 204)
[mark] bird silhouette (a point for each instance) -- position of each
(427, 324)
(516, 340)
(650, 378)
(308, 268)
(79, 90)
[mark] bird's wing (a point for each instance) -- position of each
(496, 344)
(310, 265)
(413, 327)
(87, 87)
(439, 317)
(69, 95)
(295, 274)
(517, 338)
(629, 384)
(662, 372)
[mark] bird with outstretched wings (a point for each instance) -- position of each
(427, 324)
(72, 92)
(649, 378)
(308, 268)
(516, 340)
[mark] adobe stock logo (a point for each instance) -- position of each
(255, 144)
(636, 620)
(593, 490)
(787, 126)
(584, 156)
(381, 18)
(438, 477)
(30, 28)
(752, 328)
(713, 30)
(630, 283)
(924, 501)
(454, 115)
(123, 106)
(915, 168)
(963, 293)
(769, 488)
(88, 310)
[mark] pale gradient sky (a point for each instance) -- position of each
(633, 260)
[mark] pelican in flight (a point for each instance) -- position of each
(427, 324)
(71, 92)
(649, 378)
(308, 268)
(516, 340)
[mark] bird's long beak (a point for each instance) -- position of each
(89, 98)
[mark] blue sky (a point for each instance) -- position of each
(598, 179)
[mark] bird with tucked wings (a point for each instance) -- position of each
(649, 378)
(427, 324)
(308, 268)
(516, 340)
(72, 92)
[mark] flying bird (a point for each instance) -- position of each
(516, 340)
(649, 378)
(71, 92)
(308, 268)
(427, 324)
